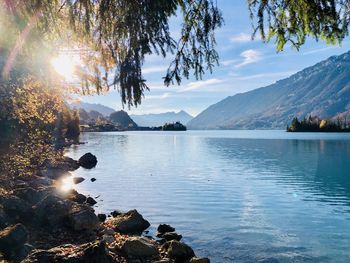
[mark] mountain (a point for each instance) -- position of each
(122, 119)
(155, 120)
(322, 90)
(104, 110)
(90, 117)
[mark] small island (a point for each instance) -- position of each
(177, 126)
(316, 124)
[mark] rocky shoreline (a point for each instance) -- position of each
(40, 223)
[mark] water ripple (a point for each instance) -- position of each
(236, 196)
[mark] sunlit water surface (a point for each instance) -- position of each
(236, 196)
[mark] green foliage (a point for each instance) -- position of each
(292, 21)
(315, 124)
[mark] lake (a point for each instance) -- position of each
(235, 196)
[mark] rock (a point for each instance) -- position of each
(69, 164)
(53, 173)
(37, 181)
(2, 258)
(91, 201)
(52, 210)
(164, 228)
(102, 217)
(16, 208)
(108, 238)
(78, 180)
(30, 195)
(59, 168)
(172, 236)
(93, 179)
(115, 213)
(84, 220)
(139, 247)
(23, 251)
(65, 164)
(164, 260)
(88, 161)
(179, 251)
(95, 252)
(3, 218)
(130, 223)
(79, 198)
(109, 231)
(199, 260)
(12, 239)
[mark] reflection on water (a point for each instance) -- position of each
(237, 196)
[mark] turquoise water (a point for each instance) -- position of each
(236, 196)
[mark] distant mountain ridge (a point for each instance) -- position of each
(322, 90)
(155, 120)
(122, 119)
(104, 110)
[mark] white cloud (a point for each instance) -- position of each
(249, 56)
(242, 38)
(158, 97)
(155, 69)
(201, 84)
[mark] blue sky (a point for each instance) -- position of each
(244, 65)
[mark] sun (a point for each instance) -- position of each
(66, 184)
(65, 65)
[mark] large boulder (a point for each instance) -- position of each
(179, 251)
(164, 228)
(16, 208)
(3, 219)
(171, 236)
(129, 223)
(84, 220)
(31, 195)
(95, 252)
(139, 247)
(52, 210)
(12, 239)
(88, 160)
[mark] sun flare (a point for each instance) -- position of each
(66, 184)
(65, 65)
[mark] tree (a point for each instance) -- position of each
(292, 21)
(32, 113)
(113, 37)
(295, 125)
(73, 128)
